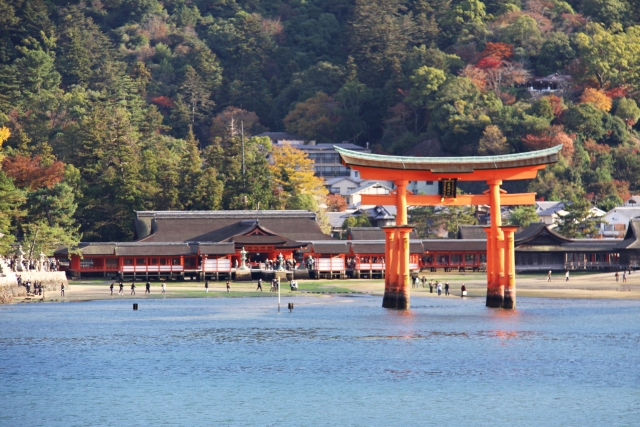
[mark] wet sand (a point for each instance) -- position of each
(580, 285)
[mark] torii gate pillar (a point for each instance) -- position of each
(501, 267)
(397, 244)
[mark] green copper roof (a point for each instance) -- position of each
(450, 164)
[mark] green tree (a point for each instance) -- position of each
(49, 222)
(579, 221)
(555, 54)
(522, 216)
(493, 141)
(380, 34)
(11, 199)
(628, 111)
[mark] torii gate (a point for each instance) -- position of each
(501, 283)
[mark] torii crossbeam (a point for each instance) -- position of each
(501, 284)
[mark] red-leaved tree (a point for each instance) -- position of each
(29, 173)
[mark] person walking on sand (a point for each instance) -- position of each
(133, 288)
(228, 287)
(439, 288)
(431, 286)
(549, 276)
(566, 276)
(624, 277)
(164, 287)
(446, 288)
(259, 284)
(111, 289)
(61, 289)
(147, 289)
(206, 286)
(463, 291)
(617, 276)
(121, 291)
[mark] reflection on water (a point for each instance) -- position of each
(338, 361)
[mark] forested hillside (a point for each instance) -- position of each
(110, 106)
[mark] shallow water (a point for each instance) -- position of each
(340, 361)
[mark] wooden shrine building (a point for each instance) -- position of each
(198, 244)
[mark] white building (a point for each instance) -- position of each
(549, 212)
(633, 202)
(617, 220)
(343, 184)
(354, 197)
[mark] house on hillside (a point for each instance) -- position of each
(633, 202)
(616, 221)
(343, 184)
(354, 197)
(282, 138)
(551, 83)
(549, 212)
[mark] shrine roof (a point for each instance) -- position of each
(450, 164)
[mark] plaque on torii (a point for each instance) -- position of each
(447, 171)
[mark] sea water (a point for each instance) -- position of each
(339, 361)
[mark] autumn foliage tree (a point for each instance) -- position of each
(501, 51)
(29, 172)
(335, 203)
(598, 98)
(551, 137)
(293, 176)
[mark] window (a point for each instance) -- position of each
(175, 261)
(141, 261)
(153, 261)
(128, 261)
(163, 261)
(429, 182)
(112, 263)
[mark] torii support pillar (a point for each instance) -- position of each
(396, 279)
(501, 281)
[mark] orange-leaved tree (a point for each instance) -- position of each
(29, 172)
(498, 50)
(335, 203)
(598, 98)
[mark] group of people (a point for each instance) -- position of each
(147, 288)
(18, 264)
(624, 276)
(274, 264)
(34, 288)
(437, 285)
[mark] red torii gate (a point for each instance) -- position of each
(501, 283)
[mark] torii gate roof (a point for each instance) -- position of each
(449, 165)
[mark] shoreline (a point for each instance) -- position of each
(580, 286)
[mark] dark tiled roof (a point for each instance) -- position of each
(91, 248)
(334, 247)
(472, 232)
(455, 245)
(217, 226)
(371, 233)
(538, 229)
(146, 249)
(225, 248)
(363, 247)
(365, 233)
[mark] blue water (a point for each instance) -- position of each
(341, 361)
